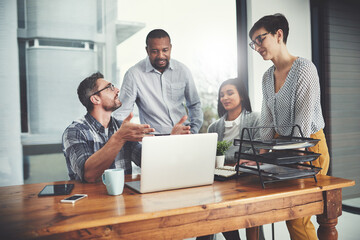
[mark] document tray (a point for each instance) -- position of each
(281, 143)
(282, 157)
(278, 172)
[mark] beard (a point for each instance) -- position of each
(159, 66)
(113, 106)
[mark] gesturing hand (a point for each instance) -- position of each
(132, 131)
(179, 128)
(247, 162)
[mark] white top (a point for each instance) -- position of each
(247, 120)
(232, 129)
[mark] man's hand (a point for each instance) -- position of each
(179, 128)
(131, 131)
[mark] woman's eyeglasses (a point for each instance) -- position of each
(258, 40)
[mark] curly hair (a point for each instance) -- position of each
(156, 33)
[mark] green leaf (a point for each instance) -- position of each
(222, 147)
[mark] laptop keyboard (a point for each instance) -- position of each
(226, 171)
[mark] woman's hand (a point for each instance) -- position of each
(247, 162)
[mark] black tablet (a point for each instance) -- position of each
(58, 189)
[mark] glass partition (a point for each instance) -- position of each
(203, 36)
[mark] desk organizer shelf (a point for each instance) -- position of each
(283, 161)
(281, 143)
(282, 157)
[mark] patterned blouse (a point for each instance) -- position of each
(297, 101)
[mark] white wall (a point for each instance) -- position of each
(11, 164)
(297, 13)
(202, 32)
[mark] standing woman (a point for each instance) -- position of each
(291, 95)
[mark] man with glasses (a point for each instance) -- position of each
(162, 88)
(99, 141)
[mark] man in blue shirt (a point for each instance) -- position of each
(162, 88)
(99, 141)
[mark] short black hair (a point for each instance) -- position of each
(242, 90)
(156, 33)
(87, 87)
(272, 23)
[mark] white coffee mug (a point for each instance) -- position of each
(114, 181)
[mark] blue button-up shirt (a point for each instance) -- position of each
(161, 97)
(86, 136)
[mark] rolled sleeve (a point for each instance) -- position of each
(193, 104)
(308, 97)
(76, 150)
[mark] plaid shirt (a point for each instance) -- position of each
(86, 136)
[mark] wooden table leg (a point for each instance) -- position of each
(329, 218)
(327, 229)
(252, 233)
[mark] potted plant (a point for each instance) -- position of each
(222, 147)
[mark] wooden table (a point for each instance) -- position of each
(175, 214)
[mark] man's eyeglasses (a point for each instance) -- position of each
(258, 40)
(110, 85)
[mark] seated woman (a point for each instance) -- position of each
(234, 110)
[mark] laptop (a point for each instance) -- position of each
(176, 161)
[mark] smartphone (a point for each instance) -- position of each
(74, 198)
(58, 189)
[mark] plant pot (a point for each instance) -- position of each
(220, 160)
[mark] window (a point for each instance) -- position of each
(60, 43)
(23, 85)
(99, 12)
(21, 13)
(203, 36)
